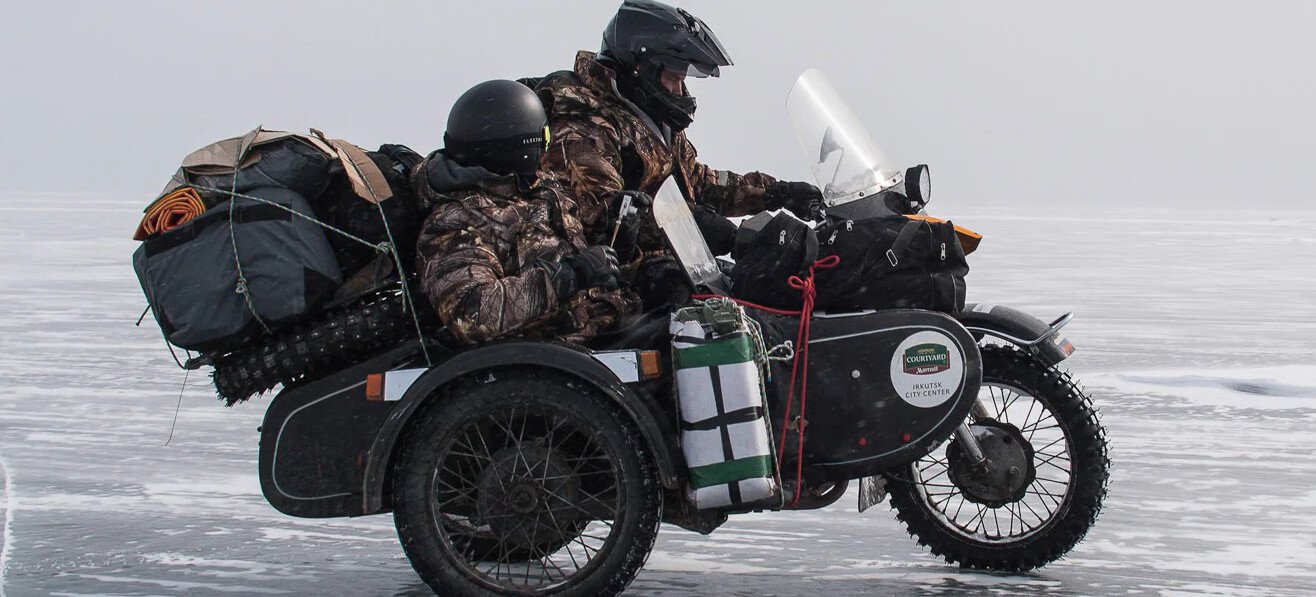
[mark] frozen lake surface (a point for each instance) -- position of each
(1195, 337)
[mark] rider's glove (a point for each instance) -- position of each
(800, 198)
(594, 266)
(403, 155)
(627, 223)
(661, 281)
(718, 232)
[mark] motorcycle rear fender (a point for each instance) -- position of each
(1021, 329)
(565, 358)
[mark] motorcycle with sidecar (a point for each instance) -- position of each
(536, 468)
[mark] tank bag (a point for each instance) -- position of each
(724, 427)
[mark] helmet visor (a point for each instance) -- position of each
(687, 67)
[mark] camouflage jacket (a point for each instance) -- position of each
(601, 144)
(476, 261)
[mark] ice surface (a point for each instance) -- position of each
(1194, 337)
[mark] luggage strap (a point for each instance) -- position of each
(744, 415)
(903, 240)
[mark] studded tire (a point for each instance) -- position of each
(338, 339)
(1078, 511)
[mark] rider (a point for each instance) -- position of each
(502, 254)
(618, 122)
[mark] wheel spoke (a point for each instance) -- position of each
(934, 463)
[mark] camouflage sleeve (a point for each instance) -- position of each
(463, 277)
(728, 193)
(585, 158)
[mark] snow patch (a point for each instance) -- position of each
(1277, 388)
(180, 586)
(6, 534)
(691, 562)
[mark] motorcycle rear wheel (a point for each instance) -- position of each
(1066, 479)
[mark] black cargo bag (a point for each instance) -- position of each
(339, 206)
(891, 262)
(769, 250)
(287, 164)
(190, 274)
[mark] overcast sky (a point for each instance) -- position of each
(1022, 103)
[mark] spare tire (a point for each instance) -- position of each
(335, 340)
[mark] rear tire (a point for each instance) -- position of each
(933, 514)
(525, 484)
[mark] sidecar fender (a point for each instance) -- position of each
(565, 358)
(1034, 336)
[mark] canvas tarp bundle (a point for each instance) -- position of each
(224, 157)
(724, 431)
(191, 279)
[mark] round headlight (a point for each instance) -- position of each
(918, 186)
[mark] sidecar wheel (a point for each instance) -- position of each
(526, 484)
(1048, 432)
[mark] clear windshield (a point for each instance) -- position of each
(845, 161)
(673, 216)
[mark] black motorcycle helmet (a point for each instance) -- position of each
(647, 38)
(499, 125)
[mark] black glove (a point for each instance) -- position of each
(403, 155)
(800, 198)
(628, 233)
(595, 266)
(718, 232)
(661, 281)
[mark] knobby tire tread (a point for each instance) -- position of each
(415, 531)
(1069, 404)
(338, 339)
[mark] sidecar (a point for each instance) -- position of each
(884, 387)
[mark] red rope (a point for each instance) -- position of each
(800, 364)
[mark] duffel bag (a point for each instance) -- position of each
(891, 262)
(225, 276)
(769, 250)
(289, 163)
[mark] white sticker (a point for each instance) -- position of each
(983, 308)
(927, 369)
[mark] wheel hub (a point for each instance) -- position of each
(526, 496)
(1006, 474)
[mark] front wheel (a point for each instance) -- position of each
(1044, 482)
(525, 485)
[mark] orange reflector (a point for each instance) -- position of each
(375, 387)
(650, 365)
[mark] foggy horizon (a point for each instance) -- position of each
(1023, 104)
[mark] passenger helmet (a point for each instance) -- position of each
(647, 38)
(499, 125)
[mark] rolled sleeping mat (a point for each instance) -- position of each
(170, 211)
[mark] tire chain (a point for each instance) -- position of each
(337, 339)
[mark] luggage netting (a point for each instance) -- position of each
(336, 339)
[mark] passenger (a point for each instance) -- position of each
(618, 121)
(500, 254)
